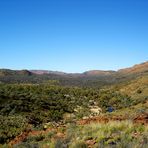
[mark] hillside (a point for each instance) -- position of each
(139, 68)
(8, 72)
(54, 109)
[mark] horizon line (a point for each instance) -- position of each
(72, 72)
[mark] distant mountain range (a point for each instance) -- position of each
(93, 77)
(135, 69)
(41, 72)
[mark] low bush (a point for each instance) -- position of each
(11, 126)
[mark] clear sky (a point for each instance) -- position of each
(73, 35)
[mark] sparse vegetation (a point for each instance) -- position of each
(119, 134)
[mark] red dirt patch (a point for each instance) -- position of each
(19, 138)
(24, 135)
(101, 119)
(142, 119)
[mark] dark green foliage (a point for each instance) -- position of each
(36, 102)
(39, 104)
(113, 99)
(44, 103)
(11, 126)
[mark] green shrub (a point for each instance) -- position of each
(11, 126)
(51, 134)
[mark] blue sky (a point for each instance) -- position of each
(73, 35)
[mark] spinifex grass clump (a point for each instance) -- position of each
(121, 134)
